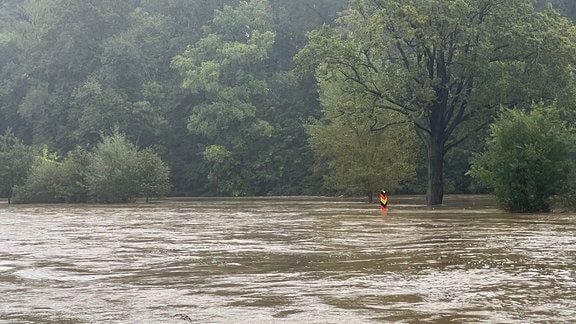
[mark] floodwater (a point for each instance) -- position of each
(286, 260)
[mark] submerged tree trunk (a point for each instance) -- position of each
(435, 187)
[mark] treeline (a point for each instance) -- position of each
(210, 88)
(205, 84)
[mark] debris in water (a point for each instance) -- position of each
(183, 317)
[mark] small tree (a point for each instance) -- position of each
(15, 162)
(74, 186)
(527, 159)
(153, 175)
(44, 181)
(361, 161)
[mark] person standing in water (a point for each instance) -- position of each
(383, 202)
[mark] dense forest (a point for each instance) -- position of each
(255, 97)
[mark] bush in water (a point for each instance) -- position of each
(527, 159)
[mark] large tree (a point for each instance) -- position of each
(444, 65)
(227, 68)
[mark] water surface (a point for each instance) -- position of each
(286, 260)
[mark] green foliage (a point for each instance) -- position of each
(119, 172)
(69, 70)
(115, 172)
(361, 161)
(43, 183)
(221, 67)
(294, 19)
(16, 159)
(112, 170)
(565, 7)
(244, 121)
(153, 175)
(53, 181)
(567, 198)
(444, 65)
(527, 160)
(74, 182)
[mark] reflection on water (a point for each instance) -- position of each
(285, 260)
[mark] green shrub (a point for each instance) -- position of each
(74, 186)
(527, 160)
(119, 172)
(115, 172)
(54, 181)
(43, 182)
(16, 160)
(153, 175)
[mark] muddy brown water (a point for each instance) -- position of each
(286, 260)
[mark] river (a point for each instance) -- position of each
(286, 260)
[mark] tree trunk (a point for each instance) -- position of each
(435, 188)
